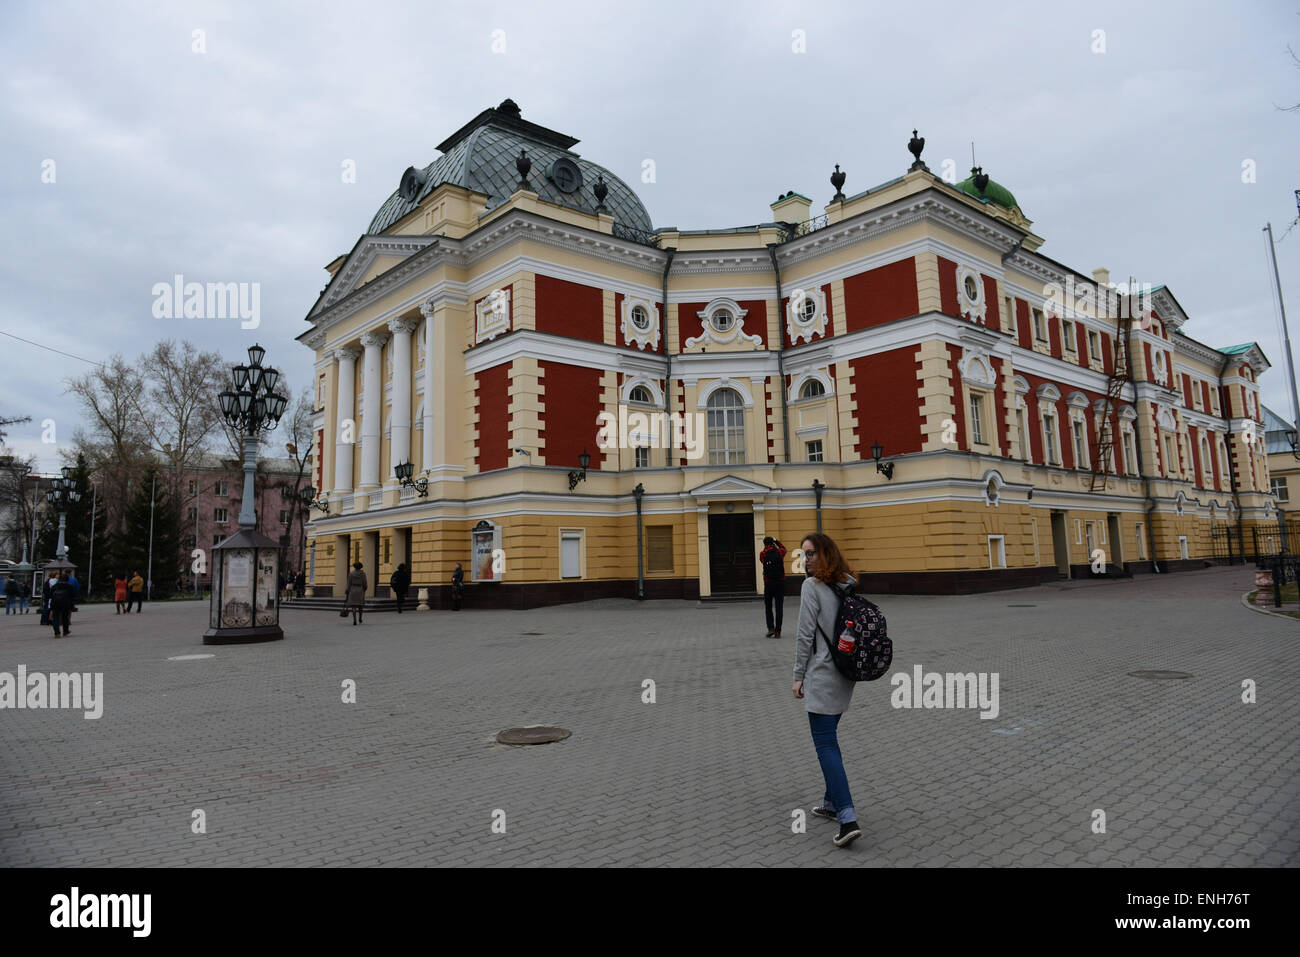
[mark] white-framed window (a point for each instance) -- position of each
(1141, 541)
(642, 460)
(1171, 463)
(571, 553)
(1008, 314)
(722, 320)
(1078, 532)
(1067, 333)
(220, 515)
(1049, 439)
(1094, 345)
(815, 450)
(286, 516)
(221, 488)
(977, 418)
(1277, 484)
(1080, 452)
(807, 309)
(1206, 473)
(640, 394)
(217, 540)
(725, 421)
(192, 486)
(1223, 462)
(997, 551)
(1130, 455)
(1182, 547)
(1022, 432)
(1087, 534)
(811, 389)
(639, 318)
(1040, 331)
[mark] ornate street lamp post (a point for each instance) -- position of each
(246, 566)
(62, 493)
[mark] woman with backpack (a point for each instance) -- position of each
(826, 692)
(356, 595)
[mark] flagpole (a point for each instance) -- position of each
(1286, 333)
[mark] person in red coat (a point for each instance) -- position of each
(772, 558)
(119, 592)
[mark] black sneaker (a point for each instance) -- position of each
(820, 811)
(848, 834)
(770, 633)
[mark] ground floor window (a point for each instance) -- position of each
(1182, 547)
(1141, 541)
(997, 551)
(570, 553)
(815, 450)
(659, 548)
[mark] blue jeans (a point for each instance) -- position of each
(10, 602)
(837, 797)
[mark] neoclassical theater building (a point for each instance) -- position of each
(899, 369)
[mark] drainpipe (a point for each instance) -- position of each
(640, 571)
(668, 353)
(1232, 472)
(1137, 450)
(780, 357)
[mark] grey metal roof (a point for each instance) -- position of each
(483, 159)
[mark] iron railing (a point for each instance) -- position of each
(790, 231)
(634, 235)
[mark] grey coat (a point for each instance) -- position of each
(825, 690)
(357, 585)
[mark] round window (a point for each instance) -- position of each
(722, 320)
(972, 291)
(640, 318)
(807, 310)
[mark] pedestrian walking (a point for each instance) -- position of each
(356, 594)
(135, 589)
(62, 595)
(301, 583)
(11, 596)
(826, 692)
(772, 558)
(46, 584)
(76, 589)
(119, 593)
(457, 587)
(401, 584)
(25, 595)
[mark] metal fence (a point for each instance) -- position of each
(1253, 544)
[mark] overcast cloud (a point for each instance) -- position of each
(226, 165)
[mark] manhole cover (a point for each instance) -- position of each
(1158, 675)
(532, 735)
(1022, 606)
(189, 657)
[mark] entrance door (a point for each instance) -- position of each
(731, 554)
(1112, 532)
(1060, 544)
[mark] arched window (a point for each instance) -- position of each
(726, 426)
(639, 394)
(811, 389)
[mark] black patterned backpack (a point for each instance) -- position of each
(872, 651)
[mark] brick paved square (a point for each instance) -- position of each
(258, 737)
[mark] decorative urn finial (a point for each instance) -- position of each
(914, 146)
(601, 191)
(981, 179)
(837, 180)
(523, 164)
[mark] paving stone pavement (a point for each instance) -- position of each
(287, 774)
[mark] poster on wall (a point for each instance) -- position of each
(485, 541)
(237, 591)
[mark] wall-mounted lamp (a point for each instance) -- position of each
(404, 473)
(818, 486)
(575, 477)
(878, 450)
(308, 496)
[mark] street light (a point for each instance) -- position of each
(818, 487)
(878, 450)
(308, 496)
(404, 472)
(245, 595)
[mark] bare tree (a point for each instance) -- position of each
(183, 409)
(17, 504)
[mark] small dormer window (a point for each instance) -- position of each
(722, 320)
(811, 389)
(639, 394)
(640, 318)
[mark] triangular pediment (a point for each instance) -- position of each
(730, 485)
(371, 257)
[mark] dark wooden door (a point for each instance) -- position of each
(731, 554)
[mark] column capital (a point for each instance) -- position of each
(427, 308)
(373, 339)
(346, 353)
(399, 326)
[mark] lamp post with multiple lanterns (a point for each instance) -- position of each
(246, 566)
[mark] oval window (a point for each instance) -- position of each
(640, 318)
(722, 320)
(972, 291)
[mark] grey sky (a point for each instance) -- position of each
(225, 166)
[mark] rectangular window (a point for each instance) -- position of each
(815, 450)
(642, 460)
(1040, 333)
(1130, 458)
(1008, 317)
(1067, 331)
(977, 418)
(216, 540)
(1049, 439)
(1182, 547)
(1171, 465)
(221, 488)
(1080, 459)
(659, 548)
(192, 486)
(726, 431)
(571, 554)
(997, 551)
(1088, 535)
(1094, 345)
(220, 515)
(191, 514)
(1141, 541)
(1022, 433)
(286, 516)
(1280, 489)
(1078, 532)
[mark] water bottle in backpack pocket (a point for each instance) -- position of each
(864, 651)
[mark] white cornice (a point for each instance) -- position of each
(369, 249)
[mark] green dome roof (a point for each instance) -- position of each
(994, 192)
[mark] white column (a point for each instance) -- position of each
(372, 425)
(400, 444)
(427, 310)
(345, 419)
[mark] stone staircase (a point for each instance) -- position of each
(336, 604)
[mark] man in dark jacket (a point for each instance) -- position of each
(62, 595)
(457, 587)
(401, 584)
(773, 558)
(300, 583)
